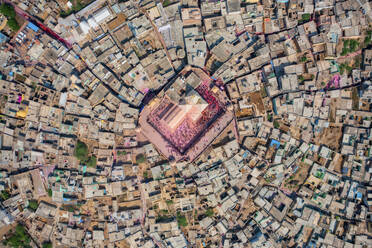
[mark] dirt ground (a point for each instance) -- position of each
(244, 112)
(307, 233)
(229, 131)
(296, 180)
(141, 137)
(122, 244)
(256, 99)
(365, 105)
(5, 229)
(154, 42)
(284, 127)
(295, 132)
(270, 153)
(210, 63)
(336, 163)
(333, 107)
(330, 137)
(248, 208)
(251, 142)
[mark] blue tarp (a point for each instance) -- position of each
(334, 37)
(311, 245)
(33, 26)
(275, 142)
(274, 106)
(3, 38)
(359, 195)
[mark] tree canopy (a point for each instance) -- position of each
(209, 212)
(7, 10)
(306, 17)
(92, 161)
(4, 195)
(13, 24)
(33, 205)
(181, 219)
(350, 46)
(140, 158)
(19, 238)
(81, 151)
(47, 245)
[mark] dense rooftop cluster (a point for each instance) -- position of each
(185, 123)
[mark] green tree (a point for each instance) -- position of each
(64, 14)
(47, 245)
(181, 219)
(50, 192)
(166, 3)
(306, 17)
(353, 45)
(348, 69)
(13, 24)
(33, 205)
(276, 124)
(349, 47)
(122, 153)
(19, 238)
(71, 209)
(7, 10)
(5, 195)
(81, 151)
(209, 212)
(342, 69)
(269, 117)
(140, 158)
(357, 63)
(78, 6)
(355, 99)
(92, 161)
(368, 38)
(344, 51)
